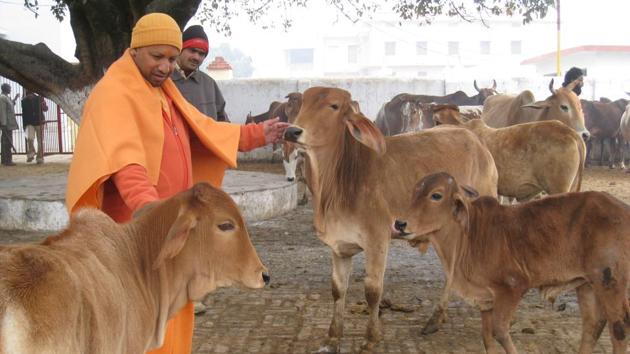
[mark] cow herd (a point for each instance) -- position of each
(429, 176)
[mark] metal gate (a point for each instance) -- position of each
(59, 131)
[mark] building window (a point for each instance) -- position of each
(421, 48)
(453, 48)
(516, 47)
(353, 54)
(390, 48)
(300, 56)
(484, 47)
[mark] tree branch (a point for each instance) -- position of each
(180, 10)
(38, 68)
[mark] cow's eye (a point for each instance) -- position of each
(564, 108)
(436, 196)
(226, 226)
(334, 106)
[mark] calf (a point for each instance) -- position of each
(495, 253)
(356, 176)
(104, 288)
(535, 157)
(400, 115)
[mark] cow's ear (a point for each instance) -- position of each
(365, 132)
(177, 237)
(460, 211)
(537, 105)
(470, 192)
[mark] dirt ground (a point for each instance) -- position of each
(292, 315)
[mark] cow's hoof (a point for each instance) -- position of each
(332, 346)
(368, 347)
(433, 325)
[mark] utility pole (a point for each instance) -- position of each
(558, 70)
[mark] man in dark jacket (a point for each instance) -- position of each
(196, 86)
(33, 108)
(575, 74)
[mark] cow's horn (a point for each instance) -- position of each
(551, 86)
(475, 84)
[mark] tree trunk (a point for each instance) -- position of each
(102, 31)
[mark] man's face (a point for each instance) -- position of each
(190, 59)
(156, 62)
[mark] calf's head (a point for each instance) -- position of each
(446, 114)
(439, 206)
(207, 242)
(325, 117)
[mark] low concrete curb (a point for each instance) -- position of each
(37, 203)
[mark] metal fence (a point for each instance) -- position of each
(59, 131)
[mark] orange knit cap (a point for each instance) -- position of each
(156, 29)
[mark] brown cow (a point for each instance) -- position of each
(495, 254)
(531, 157)
(502, 110)
(273, 106)
(357, 177)
(105, 288)
(602, 121)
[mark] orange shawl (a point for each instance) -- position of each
(122, 125)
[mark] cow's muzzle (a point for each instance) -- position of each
(399, 232)
(292, 134)
(266, 278)
(586, 135)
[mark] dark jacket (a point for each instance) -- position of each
(32, 110)
(202, 92)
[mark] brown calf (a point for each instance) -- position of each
(532, 157)
(495, 253)
(104, 288)
(357, 177)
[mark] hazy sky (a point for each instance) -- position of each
(584, 22)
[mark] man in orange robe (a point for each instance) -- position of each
(141, 141)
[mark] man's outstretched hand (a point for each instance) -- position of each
(274, 130)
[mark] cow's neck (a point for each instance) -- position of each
(340, 172)
(164, 289)
(449, 244)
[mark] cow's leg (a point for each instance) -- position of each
(342, 268)
(593, 320)
(506, 301)
(439, 313)
(589, 145)
(610, 286)
(602, 143)
(375, 261)
(486, 332)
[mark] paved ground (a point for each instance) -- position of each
(293, 314)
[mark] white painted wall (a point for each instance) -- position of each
(255, 95)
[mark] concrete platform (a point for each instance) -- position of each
(37, 202)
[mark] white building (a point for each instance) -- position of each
(448, 48)
(601, 61)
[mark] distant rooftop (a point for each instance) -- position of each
(219, 64)
(579, 50)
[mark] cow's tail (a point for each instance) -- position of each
(577, 182)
